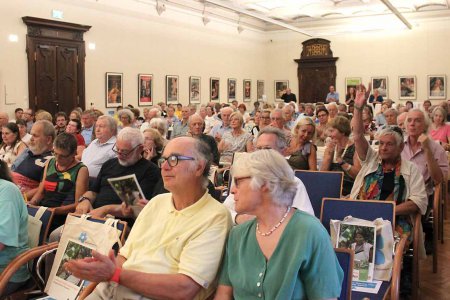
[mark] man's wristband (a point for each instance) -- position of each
(360, 108)
(82, 198)
(116, 276)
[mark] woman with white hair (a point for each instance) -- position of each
(160, 125)
(126, 117)
(283, 253)
(439, 131)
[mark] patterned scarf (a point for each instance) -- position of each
(371, 190)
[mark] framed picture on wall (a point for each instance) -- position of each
(437, 86)
(380, 84)
(231, 89)
(171, 89)
(145, 89)
(247, 90)
(114, 91)
(350, 88)
(194, 89)
(214, 89)
(280, 88)
(407, 87)
(259, 90)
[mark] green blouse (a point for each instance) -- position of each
(302, 266)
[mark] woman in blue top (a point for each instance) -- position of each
(283, 253)
(13, 229)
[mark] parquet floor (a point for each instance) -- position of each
(437, 286)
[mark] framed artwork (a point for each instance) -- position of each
(194, 89)
(145, 89)
(437, 86)
(114, 91)
(407, 87)
(280, 88)
(171, 89)
(247, 90)
(259, 90)
(380, 84)
(214, 89)
(231, 89)
(350, 87)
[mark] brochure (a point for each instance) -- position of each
(65, 285)
(361, 239)
(129, 191)
(371, 287)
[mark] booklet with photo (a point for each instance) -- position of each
(65, 285)
(361, 239)
(129, 191)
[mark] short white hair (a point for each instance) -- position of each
(131, 135)
(160, 124)
(126, 112)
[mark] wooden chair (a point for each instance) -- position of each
(338, 209)
(437, 220)
(345, 258)
(37, 252)
(46, 220)
(321, 184)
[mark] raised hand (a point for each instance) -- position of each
(360, 98)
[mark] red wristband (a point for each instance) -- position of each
(116, 276)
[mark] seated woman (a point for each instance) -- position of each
(13, 229)
(65, 179)
(160, 125)
(12, 145)
(153, 145)
(24, 135)
(322, 127)
(236, 140)
(340, 153)
(303, 153)
(126, 118)
(283, 253)
(74, 128)
(440, 131)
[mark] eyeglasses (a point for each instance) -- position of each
(322, 115)
(122, 152)
(238, 180)
(55, 154)
(172, 160)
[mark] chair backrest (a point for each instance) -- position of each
(338, 209)
(46, 220)
(321, 184)
(345, 258)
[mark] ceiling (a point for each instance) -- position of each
(318, 17)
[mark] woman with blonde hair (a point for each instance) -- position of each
(303, 153)
(440, 131)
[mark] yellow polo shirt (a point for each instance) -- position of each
(190, 241)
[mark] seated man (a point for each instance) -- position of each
(100, 149)
(175, 247)
(28, 168)
(196, 125)
(273, 138)
(385, 175)
(101, 199)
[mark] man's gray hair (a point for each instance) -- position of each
(111, 123)
(196, 115)
(282, 141)
(275, 111)
(49, 129)
(426, 118)
(227, 108)
(277, 174)
(131, 135)
(392, 110)
(157, 110)
(394, 131)
(202, 152)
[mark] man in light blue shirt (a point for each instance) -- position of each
(332, 96)
(87, 119)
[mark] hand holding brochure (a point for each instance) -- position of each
(127, 188)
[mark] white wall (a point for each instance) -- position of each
(422, 51)
(137, 40)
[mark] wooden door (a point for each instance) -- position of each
(55, 65)
(316, 71)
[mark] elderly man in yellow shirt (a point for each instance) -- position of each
(175, 247)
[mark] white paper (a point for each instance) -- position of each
(371, 287)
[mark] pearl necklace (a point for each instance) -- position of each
(274, 227)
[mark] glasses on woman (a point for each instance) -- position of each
(124, 153)
(173, 160)
(237, 181)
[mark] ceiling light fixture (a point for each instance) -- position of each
(160, 7)
(257, 16)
